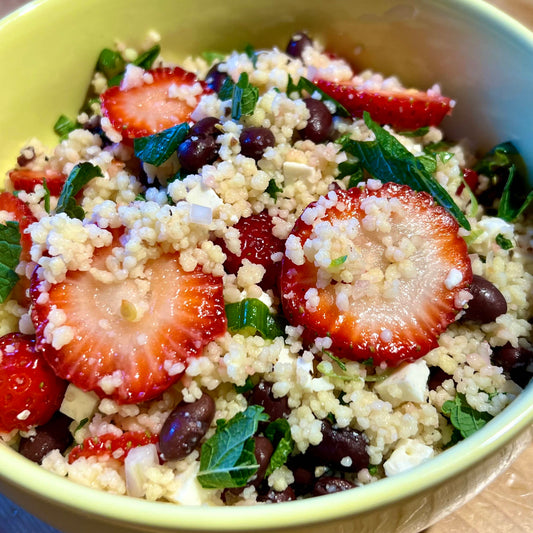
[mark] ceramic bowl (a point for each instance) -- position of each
(482, 58)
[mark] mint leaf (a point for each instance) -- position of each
(463, 417)
(64, 126)
(227, 458)
(342, 366)
(339, 261)
(212, 57)
(46, 196)
(80, 175)
(156, 149)
(387, 159)
(503, 242)
(251, 316)
(273, 189)
(279, 434)
(110, 63)
(506, 211)
(248, 386)
(243, 96)
(144, 60)
(420, 132)
(10, 249)
(249, 50)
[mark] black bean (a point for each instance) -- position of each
(185, 426)
(299, 41)
(196, 151)
(303, 471)
(27, 155)
(329, 485)
(205, 126)
(515, 362)
(262, 395)
(319, 123)
(337, 444)
(263, 453)
(487, 302)
(436, 377)
(214, 79)
(254, 142)
(54, 435)
(273, 496)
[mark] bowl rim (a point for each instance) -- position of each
(514, 420)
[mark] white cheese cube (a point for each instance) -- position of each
(78, 404)
(407, 384)
(408, 454)
(188, 490)
(204, 196)
(137, 461)
(295, 172)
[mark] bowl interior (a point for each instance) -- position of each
(480, 57)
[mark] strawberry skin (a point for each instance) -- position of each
(20, 212)
(388, 327)
(257, 245)
(148, 109)
(405, 110)
(134, 331)
(31, 392)
(24, 179)
(111, 445)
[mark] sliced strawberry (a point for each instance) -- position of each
(24, 179)
(150, 108)
(128, 337)
(405, 110)
(382, 273)
(258, 244)
(31, 392)
(20, 212)
(113, 446)
(471, 178)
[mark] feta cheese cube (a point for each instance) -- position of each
(137, 461)
(408, 454)
(295, 172)
(78, 404)
(407, 384)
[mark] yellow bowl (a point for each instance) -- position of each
(482, 58)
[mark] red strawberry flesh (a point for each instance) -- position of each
(150, 108)
(404, 110)
(24, 179)
(31, 392)
(129, 337)
(406, 283)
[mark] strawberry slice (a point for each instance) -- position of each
(258, 244)
(404, 110)
(381, 272)
(31, 392)
(111, 445)
(128, 340)
(18, 211)
(150, 108)
(24, 179)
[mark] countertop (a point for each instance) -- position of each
(505, 506)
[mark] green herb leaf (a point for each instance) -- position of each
(212, 57)
(373, 469)
(420, 132)
(243, 96)
(273, 189)
(387, 159)
(463, 417)
(64, 126)
(46, 196)
(323, 368)
(80, 175)
(227, 459)
(144, 60)
(157, 148)
(279, 434)
(429, 162)
(81, 424)
(342, 366)
(226, 91)
(310, 88)
(248, 386)
(10, 249)
(503, 242)
(110, 63)
(368, 362)
(251, 316)
(506, 211)
(249, 50)
(339, 261)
